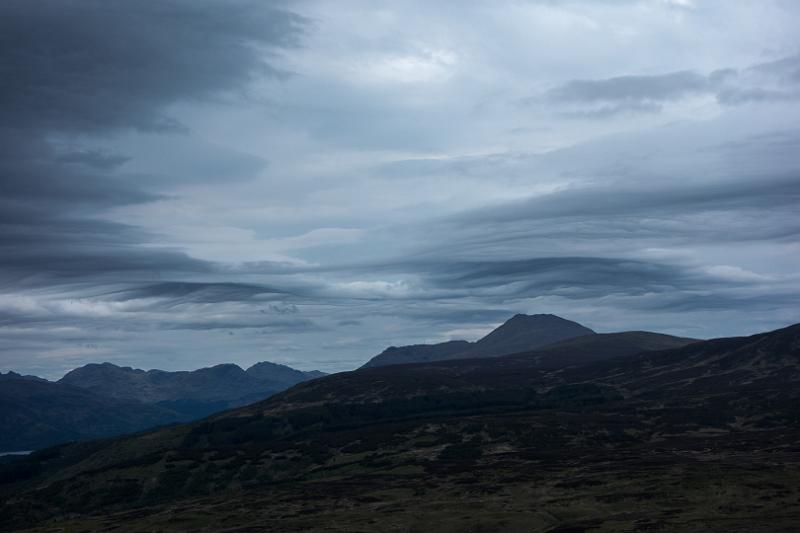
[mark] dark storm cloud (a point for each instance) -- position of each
(96, 159)
(73, 263)
(92, 68)
(35, 178)
(95, 65)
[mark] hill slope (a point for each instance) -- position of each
(600, 347)
(35, 413)
(701, 437)
(517, 334)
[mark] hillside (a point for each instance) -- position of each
(519, 333)
(599, 347)
(35, 413)
(705, 434)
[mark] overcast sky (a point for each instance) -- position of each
(185, 183)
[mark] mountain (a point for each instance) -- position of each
(35, 413)
(194, 393)
(104, 400)
(519, 333)
(10, 375)
(418, 353)
(701, 437)
(526, 332)
(281, 376)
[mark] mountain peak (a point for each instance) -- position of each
(527, 332)
(537, 318)
(519, 333)
(269, 372)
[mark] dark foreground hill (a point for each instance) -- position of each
(518, 334)
(699, 438)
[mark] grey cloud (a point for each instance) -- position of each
(98, 65)
(570, 277)
(772, 81)
(657, 196)
(786, 69)
(345, 323)
(632, 89)
(634, 284)
(737, 96)
(608, 111)
(94, 68)
(298, 325)
(438, 315)
(720, 302)
(182, 292)
(96, 159)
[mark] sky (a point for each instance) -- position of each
(185, 183)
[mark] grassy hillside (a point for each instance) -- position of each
(702, 437)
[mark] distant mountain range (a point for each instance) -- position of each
(192, 393)
(591, 433)
(35, 413)
(103, 400)
(521, 333)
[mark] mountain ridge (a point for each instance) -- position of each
(519, 333)
(104, 400)
(226, 382)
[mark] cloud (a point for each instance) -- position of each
(655, 197)
(99, 68)
(772, 81)
(633, 89)
(184, 183)
(182, 292)
(568, 277)
(786, 69)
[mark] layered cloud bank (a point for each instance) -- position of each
(183, 183)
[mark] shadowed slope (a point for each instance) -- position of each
(35, 413)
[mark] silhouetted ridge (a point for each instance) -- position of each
(519, 333)
(103, 399)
